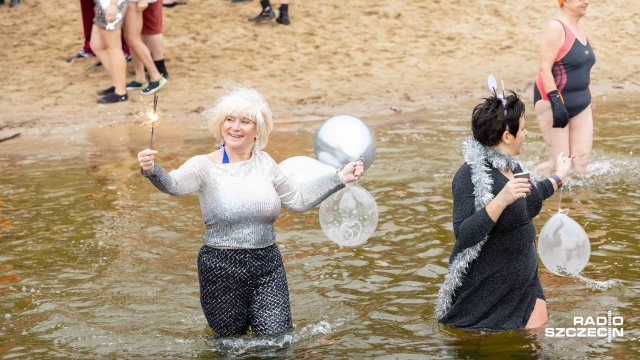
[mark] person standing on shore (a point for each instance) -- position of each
(141, 55)
(106, 43)
(268, 14)
(562, 97)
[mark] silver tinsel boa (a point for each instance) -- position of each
(475, 155)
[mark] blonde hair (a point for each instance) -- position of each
(241, 102)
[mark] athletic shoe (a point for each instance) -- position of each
(283, 19)
(113, 98)
(127, 57)
(134, 85)
(238, 1)
(153, 86)
(106, 91)
(83, 53)
(14, 3)
(263, 16)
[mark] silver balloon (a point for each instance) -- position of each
(305, 171)
(350, 216)
(563, 246)
(342, 139)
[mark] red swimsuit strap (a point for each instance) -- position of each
(569, 39)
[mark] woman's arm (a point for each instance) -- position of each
(546, 188)
(184, 180)
(552, 41)
(300, 200)
(469, 226)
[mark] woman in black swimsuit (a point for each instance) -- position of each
(562, 97)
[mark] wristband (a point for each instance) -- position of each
(557, 179)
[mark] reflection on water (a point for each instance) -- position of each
(95, 262)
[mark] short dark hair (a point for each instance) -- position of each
(489, 120)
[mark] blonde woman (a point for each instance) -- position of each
(241, 189)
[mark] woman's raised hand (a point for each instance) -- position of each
(145, 158)
(351, 172)
(563, 165)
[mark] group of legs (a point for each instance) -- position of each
(141, 27)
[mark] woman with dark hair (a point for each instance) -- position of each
(492, 282)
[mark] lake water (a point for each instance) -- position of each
(96, 263)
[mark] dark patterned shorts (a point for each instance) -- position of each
(242, 289)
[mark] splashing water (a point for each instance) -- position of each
(597, 285)
(251, 343)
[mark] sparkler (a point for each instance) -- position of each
(153, 117)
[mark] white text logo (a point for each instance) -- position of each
(586, 326)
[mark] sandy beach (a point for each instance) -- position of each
(367, 58)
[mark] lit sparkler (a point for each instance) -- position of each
(153, 117)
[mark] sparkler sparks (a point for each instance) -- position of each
(152, 116)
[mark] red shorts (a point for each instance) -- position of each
(152, 19)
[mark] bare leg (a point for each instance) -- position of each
(107, 46)
(138, 67)
(538, 315)
(132, 34)
(99, 48)
(155, 43)
(581, 139)
(556, 139)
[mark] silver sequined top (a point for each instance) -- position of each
(240, 201)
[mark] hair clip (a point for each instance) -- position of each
(493, 86)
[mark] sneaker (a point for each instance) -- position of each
(238, 1)
(127, 57)
(106, 91)
(14, 3)
(153, 86)
(84, 53)
(263, 16)
(283, 19)
(134, 85)
(113, 98)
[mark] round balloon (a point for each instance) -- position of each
(305, 171)
(564, 246)
(350, 216)
(342, 139)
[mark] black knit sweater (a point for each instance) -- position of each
(501, 285)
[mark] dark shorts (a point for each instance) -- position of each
(152, 19)
(100, 17)
(242, 289)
